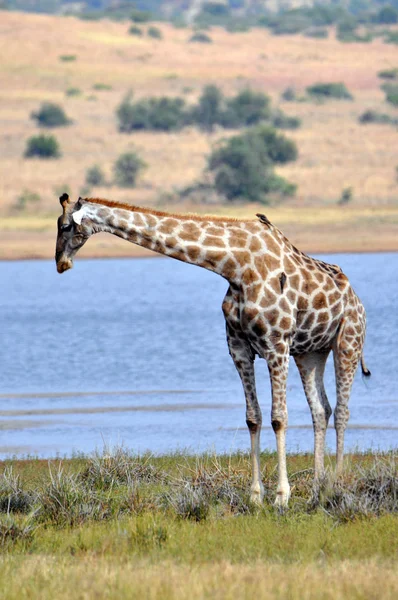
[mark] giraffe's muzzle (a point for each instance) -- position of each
(64, 264)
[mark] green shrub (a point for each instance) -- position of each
(216, 9)
(243, 165)
(102, 87)
(391, 91)
(43, 146)
(290, 25)
(372, 116)
(95, 176)
(346, 196)
(73, 91)
(391, 37)
(289, 94)
(127, 168)
(159, 114)
(317, 33)
(329, 90)
(388, 74)
(237, 26)
(387, 15)
(50, 115)
(140, 16)
(155, 33)
(209, 109)
(201, 38)
(282, 121)
(26, 199)
(13, 497)
(246, 108)
(134, 30)
(67, 57)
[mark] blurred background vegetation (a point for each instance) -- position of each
(184, 104)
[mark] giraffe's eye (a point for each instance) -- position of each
(66, 227)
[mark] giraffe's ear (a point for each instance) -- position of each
(79, 203)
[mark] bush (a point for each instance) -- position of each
(43, 146)
(126, 169)
(246, 108)
(102, 87)
(67, 57)
(391, 37)
(201, 38)
(140, 16)
(317, 33)
(13, 497)
(278, 148)
(161, 114)
(391, 92)
(155, 33)
(346, 196)
(387, 15)
(388, 74)
(134, 30)
(51, 115)
(73, 91)
(329, 90)
(282, 121)
(289, 94)
(243, 165)
(26, 199)
(95, 176)
(209, 110)
(372, 116)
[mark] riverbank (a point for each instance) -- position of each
(314, 229)
(116, 525)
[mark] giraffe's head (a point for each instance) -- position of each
(71, 234)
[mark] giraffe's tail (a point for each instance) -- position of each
(365, 370)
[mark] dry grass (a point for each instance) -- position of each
(335, 151)
(48, 577)
(84, 538)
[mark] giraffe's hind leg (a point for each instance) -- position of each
(243, 358)
(347, 353)
(312, 367)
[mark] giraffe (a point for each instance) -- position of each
(279, 303)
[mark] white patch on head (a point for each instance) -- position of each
(78, 215)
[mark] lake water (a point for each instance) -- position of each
(133, 352)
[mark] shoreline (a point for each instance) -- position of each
(314, 230)
(153, 255)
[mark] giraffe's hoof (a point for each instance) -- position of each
(282, 498)
(257, 495)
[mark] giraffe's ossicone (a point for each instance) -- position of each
(280, 302)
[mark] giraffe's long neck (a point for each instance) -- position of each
(216, 245)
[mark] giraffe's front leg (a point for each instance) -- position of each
(243, 358)
(278, 367)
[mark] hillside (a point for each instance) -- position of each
(335, 151)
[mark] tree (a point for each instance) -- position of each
(247, 108)
(243, 165)
(208, 112)
(126, 169)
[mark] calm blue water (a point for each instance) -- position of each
(133, 351)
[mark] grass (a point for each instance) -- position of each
(115, 525)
